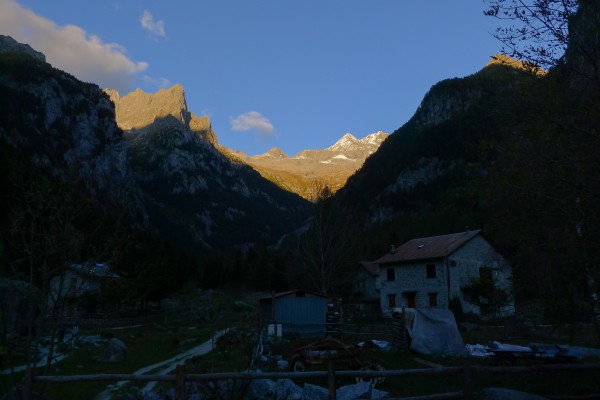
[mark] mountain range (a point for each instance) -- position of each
(309, 170)
(147, 155)
(155, 160)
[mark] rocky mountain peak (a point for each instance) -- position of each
(502, 59)
(345, 142)
(375, 138)
(139, 109)
(368, 144)
(64, 126)
(10, 45)
(274, 153)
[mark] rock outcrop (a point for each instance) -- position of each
(10, 45)
(186, 186)
(139, 109)
(113, 351)
(64, 126)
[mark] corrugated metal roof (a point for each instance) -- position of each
(427, 248)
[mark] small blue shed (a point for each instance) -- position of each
(298, 311)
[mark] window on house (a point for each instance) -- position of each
(411, 299)
(391, 300)
(431, 271)
(433, 299)
(391, 274)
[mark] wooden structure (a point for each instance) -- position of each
(299, 312)
(467, 372)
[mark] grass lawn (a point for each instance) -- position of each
(146, 345)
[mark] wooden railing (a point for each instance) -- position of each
(467, 370)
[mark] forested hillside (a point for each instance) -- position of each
(512, 151)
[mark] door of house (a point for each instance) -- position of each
(411, 299)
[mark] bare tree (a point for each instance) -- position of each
(540, 32)
(551, 33)
(321, 256)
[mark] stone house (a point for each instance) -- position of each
(429, 272)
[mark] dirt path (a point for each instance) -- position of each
(165, 366)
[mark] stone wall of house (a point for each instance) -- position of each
(465, 264)
(413, 278)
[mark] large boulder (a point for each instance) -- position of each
(362, 390)
(113, 351)
(357, 391)
(261, 389)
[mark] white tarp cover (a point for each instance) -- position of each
(434, 331)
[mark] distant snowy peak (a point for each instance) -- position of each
(375, 138)
(349, 142)
(332, 165)
(346, 142)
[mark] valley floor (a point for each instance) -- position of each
(164, 367)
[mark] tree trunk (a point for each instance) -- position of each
(594, 300)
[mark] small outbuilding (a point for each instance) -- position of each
(76, 281)
(297, 311)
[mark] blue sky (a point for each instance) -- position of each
(292, 74)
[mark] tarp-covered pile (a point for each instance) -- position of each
(434, 331)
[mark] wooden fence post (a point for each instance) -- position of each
(180, 382)
(28, 395)
(399, 338)
(467, 380)
(331, 380)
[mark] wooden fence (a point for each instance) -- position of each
(181, 377)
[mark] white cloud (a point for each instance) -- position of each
(158, 82)
(252, 120)
(71, 48)
(155, 27)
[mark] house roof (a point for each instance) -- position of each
(297, 293)
(427, 248)
(371, 267)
